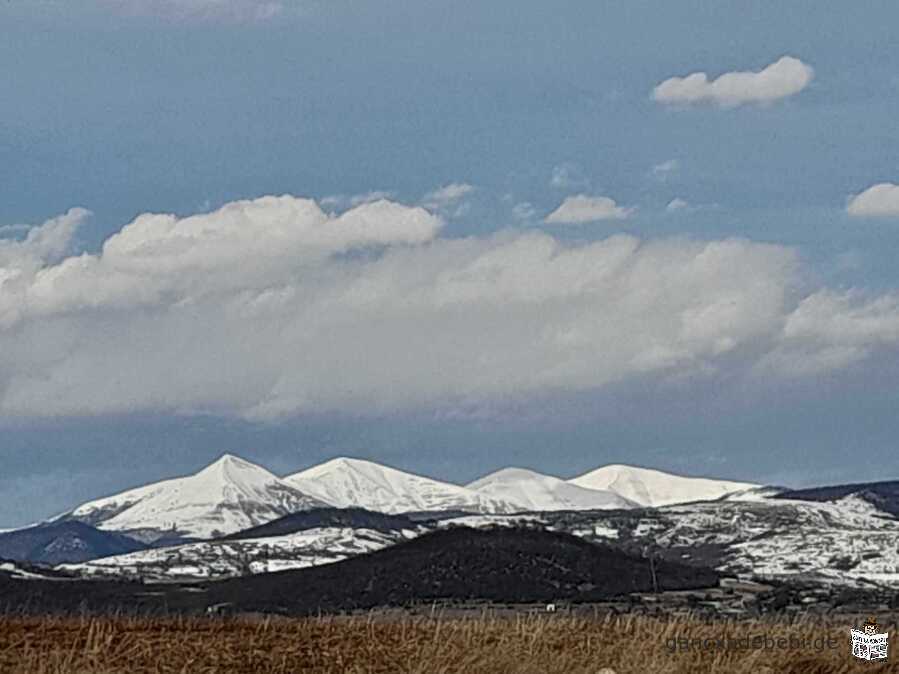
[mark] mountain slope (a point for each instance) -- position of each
(348, 483)
(883, 495)
(543, 492)
(655, 488)
(239, 557)
(226, 496)
(318, 518)
(58, 542)
(298, 540)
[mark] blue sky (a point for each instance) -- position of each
(127, 107)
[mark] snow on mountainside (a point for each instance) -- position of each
(655, 488)
(344, 482)
(242, 557)
(536, 491)
(845, 542)
(226, 496)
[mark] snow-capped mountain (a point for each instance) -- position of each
(344, 482)
(656, 488)
(226, 496)
(535, 491)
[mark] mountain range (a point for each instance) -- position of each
(535, 491)
(234, 519)
(232, 495)
(346, 483)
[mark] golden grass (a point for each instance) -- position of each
(487, 644)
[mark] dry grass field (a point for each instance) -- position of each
(488, 644)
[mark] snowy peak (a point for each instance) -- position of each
(505, 475)
(230, 465)
(226, 496)
(231, 477)
(539, 492)
(344, 482)
(656, 488)
(346, 464)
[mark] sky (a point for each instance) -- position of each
(447, 236)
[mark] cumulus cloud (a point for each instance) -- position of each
(783, 78)
(881, 200)
(236, 11)
(271, 307)
(45, 243)
(342, 201)
(583, 208)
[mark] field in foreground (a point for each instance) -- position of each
(488, 644)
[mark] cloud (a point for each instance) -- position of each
(582, 208)
(677, 204)
(783, 78)
(447, 198)
(232, 11)
(680, 205)
(881, 200)
(160, 257)
(568, 176)
(342, 201)
(524, 210)
(271, 308)
(47, 242)
(664, 169)
(448, 194)
(831, 330)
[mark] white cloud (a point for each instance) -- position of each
(785, 77)
(831, 330)
(583, 208)
(271, 307)
(160, 257)
(666, 168)
(446, 195)
(342, 201)
(524, 211)
(880, 200)
(677, 204)
(45, 243)
(680, 205)
(568, 176)
(236, 11)
(448, 200)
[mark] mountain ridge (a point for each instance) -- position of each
(347, 482)
(538, 491)
(653, 488)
